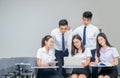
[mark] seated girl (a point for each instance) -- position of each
(106, 54)
(78, 50)
(44, 58)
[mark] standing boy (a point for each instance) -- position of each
(89, 33)
(62, 37)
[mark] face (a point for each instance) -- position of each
(50, 42)
(101, 41)
(77, 43)
(86, 21)
(63, 29)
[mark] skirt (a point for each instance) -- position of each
(48, 73)
(85, 71)
(112, 72)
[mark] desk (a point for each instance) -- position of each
(99, 66)
(73, 67)
(22, 64)
(46, 67)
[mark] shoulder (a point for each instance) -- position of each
(113, 48)
(40, 50)
(55, 30)
(78, 29)
(87, 52)
(93, 26)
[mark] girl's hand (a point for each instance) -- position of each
(84, 64)
(46, 64)
(92, 63)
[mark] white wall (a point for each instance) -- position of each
(24, 22)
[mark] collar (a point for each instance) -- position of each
(87, 25)
(108, 48)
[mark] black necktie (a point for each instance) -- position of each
(63, 43)
(84, 36)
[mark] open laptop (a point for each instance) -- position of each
(72, 62)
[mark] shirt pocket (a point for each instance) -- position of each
(90, 35)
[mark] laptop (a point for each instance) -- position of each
(72, 62)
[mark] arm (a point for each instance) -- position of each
(94, 63)
(115, 61)
(87, 62)
(75, 31)
(97, 32)
(116, 57)
(69, 42)
(39, 58)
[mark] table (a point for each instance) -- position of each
(98, 65)
(45, 67)
(73, 67)
(22, 64)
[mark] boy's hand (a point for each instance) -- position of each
(69, 27)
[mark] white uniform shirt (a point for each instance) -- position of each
(57, 35)
(45, 56)
(91, 35)
(108, 55)
(84, 55)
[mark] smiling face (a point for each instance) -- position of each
(63, 28)
(49, 43)
(77, 43)
(86, 21)
(101, 41)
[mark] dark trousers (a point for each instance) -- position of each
(60, 58)
(94, 69)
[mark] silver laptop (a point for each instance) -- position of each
(72, 61)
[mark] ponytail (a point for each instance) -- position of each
(46, 38)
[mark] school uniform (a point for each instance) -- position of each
(108, 56)
(89, 34)
(83, 56)
(61, 41)
(47, 57)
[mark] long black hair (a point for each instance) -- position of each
(46, 38)
(98, 46)
(74, 49)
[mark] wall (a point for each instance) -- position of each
(24, 22)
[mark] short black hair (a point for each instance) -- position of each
(63, 22)
(87, 14)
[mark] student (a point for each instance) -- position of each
(88, 32)
(44, 56)
(78, 50)
(62, 39)
(106, 54)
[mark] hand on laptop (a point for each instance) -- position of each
(92, 63)
(84, 64)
